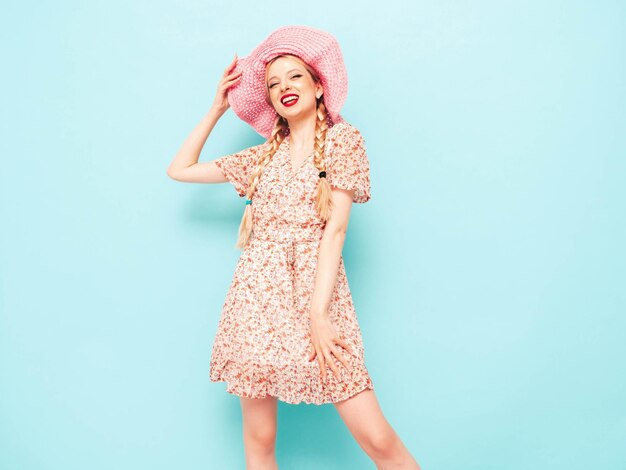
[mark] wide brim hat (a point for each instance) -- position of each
(319, 49)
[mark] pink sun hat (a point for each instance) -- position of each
(317, 48)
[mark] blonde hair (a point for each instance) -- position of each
(323, 192)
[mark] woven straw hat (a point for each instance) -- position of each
(317, 48)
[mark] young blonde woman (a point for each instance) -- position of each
(288, 329)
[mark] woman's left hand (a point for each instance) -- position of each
(323, 339)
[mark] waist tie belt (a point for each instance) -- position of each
(289, 240)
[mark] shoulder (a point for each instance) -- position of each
(253, 152)
(260, 148)
(343, 131)
(348, 165)
(344, 138)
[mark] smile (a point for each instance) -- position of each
(289, 100)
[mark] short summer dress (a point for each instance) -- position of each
(263, 341)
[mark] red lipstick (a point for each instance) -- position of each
(290, 103)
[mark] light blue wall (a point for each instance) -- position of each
(488, 270)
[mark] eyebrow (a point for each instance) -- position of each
(268, 80)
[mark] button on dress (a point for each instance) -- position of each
(263, 340)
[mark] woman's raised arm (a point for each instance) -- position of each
(185, 166)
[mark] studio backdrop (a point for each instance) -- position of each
(487, 270)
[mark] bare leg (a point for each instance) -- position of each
(364, 418)
(259, 432)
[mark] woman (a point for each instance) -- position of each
(288, 316)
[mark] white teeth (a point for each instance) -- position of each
(291, 98)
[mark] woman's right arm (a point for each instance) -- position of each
(185, 166)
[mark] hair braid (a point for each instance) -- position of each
(247, 221)
(323, 194)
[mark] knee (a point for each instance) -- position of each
(384, 444)
(261, 439)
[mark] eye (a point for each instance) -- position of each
(294, 76)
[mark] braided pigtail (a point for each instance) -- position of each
(323, 194)
(247, 221)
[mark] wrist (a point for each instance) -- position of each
(217, 111)
(317, 313)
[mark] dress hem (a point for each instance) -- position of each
(234, 388)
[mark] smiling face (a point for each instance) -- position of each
(286, 76)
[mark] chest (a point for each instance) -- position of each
(281, 181)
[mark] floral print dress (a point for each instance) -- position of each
(263, 341)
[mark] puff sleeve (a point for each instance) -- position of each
(238, 167)
(349, 165)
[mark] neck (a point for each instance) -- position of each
(302, 134)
